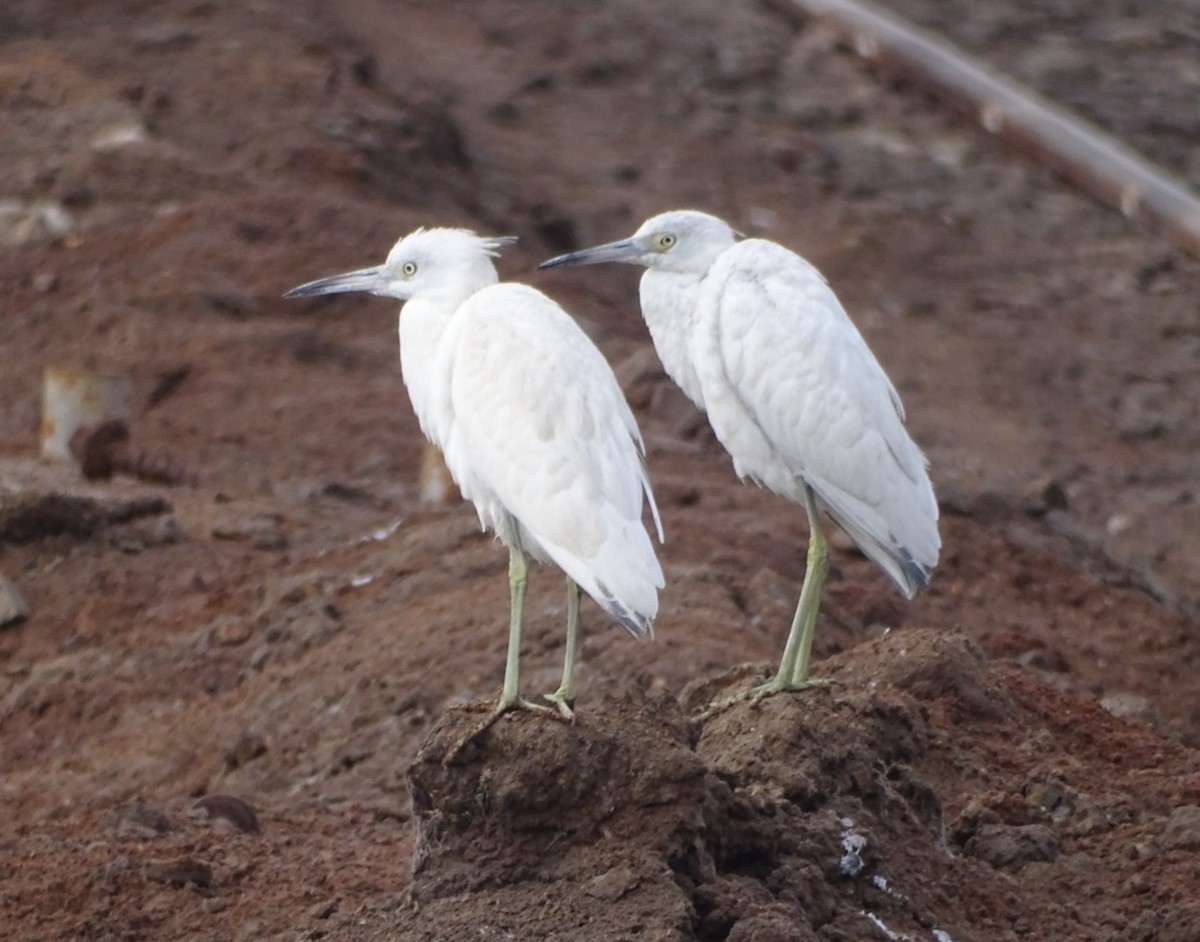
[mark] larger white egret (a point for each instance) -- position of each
(534, 427)
(754, 336)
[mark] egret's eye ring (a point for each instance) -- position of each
(665, 241)
(409, 268)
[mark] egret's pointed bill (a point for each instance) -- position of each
(365, 279)
(624, 250)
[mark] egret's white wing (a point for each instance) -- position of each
(542, 432)
(793, 390)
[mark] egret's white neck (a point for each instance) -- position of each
(669, 302)
(423, 322)
(422, 325)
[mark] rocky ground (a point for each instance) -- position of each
(226, 713)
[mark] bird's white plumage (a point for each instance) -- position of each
(793, 392)
(540, 436)
(753, 335)
(533, 425)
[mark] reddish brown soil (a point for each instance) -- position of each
(297, 639)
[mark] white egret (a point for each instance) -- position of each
(533, 425)
(755, 337)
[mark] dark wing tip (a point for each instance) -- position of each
(636, 624)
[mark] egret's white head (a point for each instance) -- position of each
(683, 241)
(445, 266)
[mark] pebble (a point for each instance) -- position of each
(140, 820)
(262, 531)
(1131, 706)
(180, 872)
(230, 631)
(231, 809)
(1009, 847)
(1182, 830)
(246, 748)
(612, 885)
(13, 607)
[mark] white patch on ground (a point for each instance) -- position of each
(852, 847)
(883, 927)
(384, 532)
(853, 844)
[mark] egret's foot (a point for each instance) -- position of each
(488, 721)
(564, 703)
(769, 689)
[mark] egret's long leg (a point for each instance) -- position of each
(810, 593)
(564, 696)
(510, 697)
(518, 575)
(793, 666)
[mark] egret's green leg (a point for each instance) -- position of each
(793, 666)
(810, 593)
(510, 697)
(564, 696)
(518, 575)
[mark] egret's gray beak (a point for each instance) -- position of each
(626, 250)
(365, 279)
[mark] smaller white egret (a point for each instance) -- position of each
(533, 425)
(754, 336)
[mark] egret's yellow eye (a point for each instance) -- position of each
(664, 241)
(409, 269)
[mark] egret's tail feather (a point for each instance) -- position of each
(637, 624)
(629, 592)
(897, 562)
(917, 573)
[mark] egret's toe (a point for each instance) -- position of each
(563, 703)
(769, 689)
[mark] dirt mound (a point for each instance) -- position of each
(909, 795)
(565, 831)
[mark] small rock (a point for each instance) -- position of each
(247, 748)
(140, 820)
(324, 910)
(614, 884)
(120, 135)
(22, 222)
(258, 660)
(1141, 850)
(1182, 830)
(231, 809)
(1131, 706)
(1136, 885)
(1053, 797)
(262, 531)
(13, 607)
(1010, 847)
(230, 631)
(180, 872)
(291, 590)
